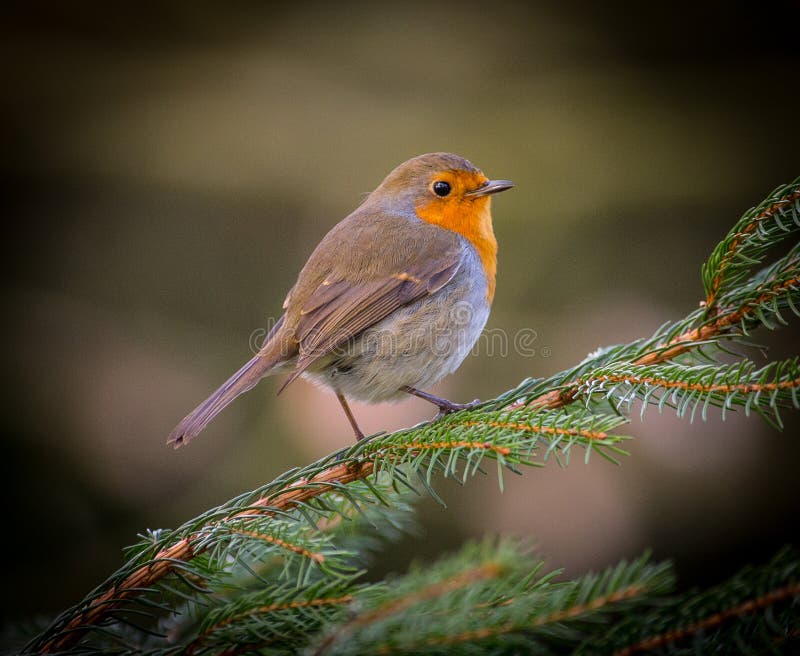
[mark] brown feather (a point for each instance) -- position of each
(341, 307)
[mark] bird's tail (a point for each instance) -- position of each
(242, 381)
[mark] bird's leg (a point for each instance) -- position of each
(359, 434)
(445, 406)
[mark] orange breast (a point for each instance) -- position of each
(471, 218)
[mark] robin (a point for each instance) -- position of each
(392, 299)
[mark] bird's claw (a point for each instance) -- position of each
(448, 408)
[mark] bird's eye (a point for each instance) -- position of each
(441, 188)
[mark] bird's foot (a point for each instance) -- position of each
(445, 407)
(449, 407)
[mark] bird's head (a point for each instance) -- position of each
(448, 191)
(438, 185)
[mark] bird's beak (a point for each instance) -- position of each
(490, 187)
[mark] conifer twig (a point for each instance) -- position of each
(734, 242)
(761, 602)
(720, 325)
(485, 571)
(184, 550)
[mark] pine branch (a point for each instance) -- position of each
(278, 568)
(278, 612)
(760, 227)
(378, 467)
(498, 593)
(754, 610)
(729, 311)
(689, 387)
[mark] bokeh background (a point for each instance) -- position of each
(168, 167)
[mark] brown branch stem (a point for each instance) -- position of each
(557, 616)
(488, 570)
(272, 608)
(750, 606)
(166, 561)
(283, 544)
(733, 247)
(695, 387)
(460, 444)
(678, 345)
(548, 430)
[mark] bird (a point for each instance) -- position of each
(392, 299)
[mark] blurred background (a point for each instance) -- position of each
(169, 167)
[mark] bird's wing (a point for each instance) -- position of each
(340, 307)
